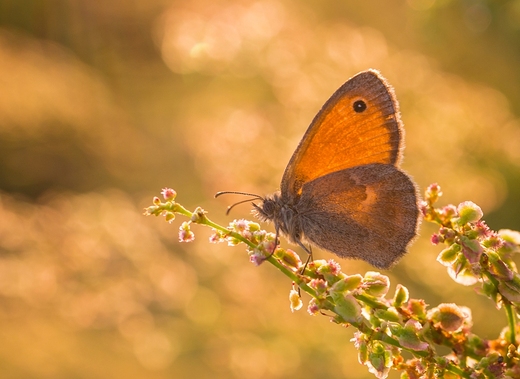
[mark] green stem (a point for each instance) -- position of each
(511, 320)
(457, 371)
(510, 312)
(203, 220)
(383, 337)
(208, 222)
(371, 302)
(177, 208)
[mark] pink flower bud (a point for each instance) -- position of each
(433, 192)
(168, 194)
(185, 233)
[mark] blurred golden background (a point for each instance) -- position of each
(104, 103)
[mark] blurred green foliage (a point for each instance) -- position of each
(104, 103)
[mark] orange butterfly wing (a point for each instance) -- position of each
(340, 138)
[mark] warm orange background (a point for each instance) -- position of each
(103, 103)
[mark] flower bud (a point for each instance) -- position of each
(319, 285)
(498, 268)
(295, 300)
(169, 217)
(168, 194)
(257, 256)
(436, 239)
(447, 256)
(432, 193)
(401, 296)
(471, 249)
(313, 307)
(330, 271)
(348, 283)
(347, 307)
(417, 307)
(185, 233)
(198, 215)
(389, 314)
(379, 360)
(510, 236)
(468, 212)
(409, 335)
(216, 237)
(376, 284)
(461, 272)
(448, 317)
(362, 351)
(510, 289)
(289, 257)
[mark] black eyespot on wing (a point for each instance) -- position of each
(359, 106)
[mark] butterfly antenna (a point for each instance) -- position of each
(253, 197)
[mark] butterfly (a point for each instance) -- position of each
(343, 190)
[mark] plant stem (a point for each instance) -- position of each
(511, 320)
(456, 370)
(510, 312)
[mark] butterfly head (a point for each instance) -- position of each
(283, 214)
(269, 209)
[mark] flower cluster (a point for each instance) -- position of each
(387, 326)
(474, 253)
(264, 243)
(169, 208)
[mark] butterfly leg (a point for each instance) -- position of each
(309, 255)
(276, 243)
(309, 259)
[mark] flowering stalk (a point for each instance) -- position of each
(388, 325)
(476, 255)
(233, 234)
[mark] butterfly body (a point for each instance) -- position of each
(342, 189)
(351, 213)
